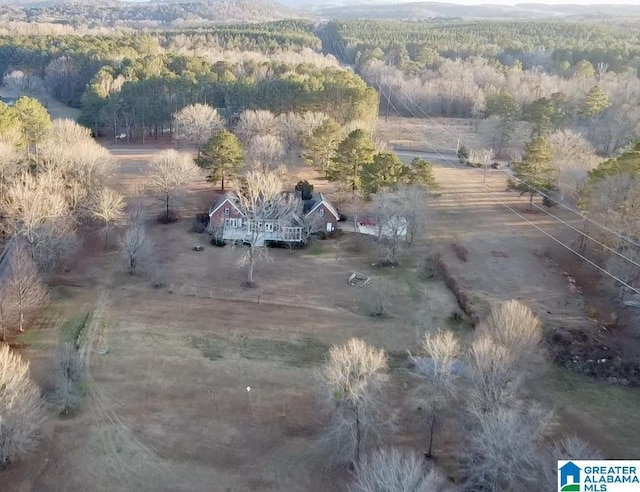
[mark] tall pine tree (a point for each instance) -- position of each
(221, 157)
(352, 154)
(321, 145)
(535, 172)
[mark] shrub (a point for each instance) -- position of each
(461, 252)
(67, 372)
(21, 412)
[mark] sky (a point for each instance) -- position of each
(514, 2)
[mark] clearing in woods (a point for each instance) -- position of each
(167, 408)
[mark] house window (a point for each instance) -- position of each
(227, 211)
(321, 212)
(269, 226)
(233, 223)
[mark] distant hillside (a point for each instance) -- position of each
(430, 10)
(141, 14)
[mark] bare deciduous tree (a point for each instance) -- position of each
(4, 322)
(494, 379)
(78, 161)
(394, 470)
(377, 299)
(437, 370)
(21, 411)
(25, 292)
(294, 127)
(624, 270)
(569, 448)
(66, 371)
(137, 248)
(264, 152)
(311, 224)
(573, 158)
(23, 84)
(266, 209)
(108, 208)
(389, 211)
(256, 122)
(68, 132)
(515, 326)
(196, 123)
(353, 375)
(506, 344)
(37, 210)
(167, 175)
(416, 209)
(612, 202)
(502, 451)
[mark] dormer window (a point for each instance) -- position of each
(227, 211)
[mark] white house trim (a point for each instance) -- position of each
(327, 205)
(227, 199)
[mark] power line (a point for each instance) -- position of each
(569, 248)
(442, 157)
(531, 188)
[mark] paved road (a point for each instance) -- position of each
(125, 149)
(443, 157)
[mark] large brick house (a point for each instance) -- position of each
(316, 214)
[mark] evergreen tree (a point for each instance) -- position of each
(627, 163)
(535, 172)
(595, 102)
(8, 120)
(321, 145)
(221, 157)
(541, 114)
(505, 108)
(421, 173)
(33, 118)
(386, 170)
(584, 70)
(352, 154)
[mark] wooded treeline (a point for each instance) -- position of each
(557, 46)
(581, 77)
(576, 76)
(140, 98)
(147, 15)
(134, 83)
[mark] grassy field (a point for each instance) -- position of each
(167, 408)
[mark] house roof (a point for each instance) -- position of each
(327, 205)
(230, 198)
(309, 206)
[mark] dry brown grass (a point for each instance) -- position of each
(168, 407)
(442, 134)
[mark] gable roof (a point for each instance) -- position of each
(327, 205)
(226, 198)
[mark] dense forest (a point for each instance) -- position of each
(133, 82)
(553, 46)
(579, 76)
